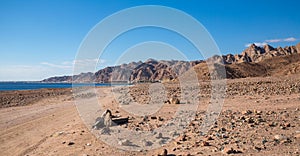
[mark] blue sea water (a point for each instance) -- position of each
(37, 85)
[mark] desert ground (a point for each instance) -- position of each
(260, 116)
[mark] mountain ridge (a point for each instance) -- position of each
(249, 63)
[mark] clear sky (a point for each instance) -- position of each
(40, 38)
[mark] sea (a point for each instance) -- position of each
(5, 86)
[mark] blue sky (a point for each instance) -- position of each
(39, 39)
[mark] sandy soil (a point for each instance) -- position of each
(251, 123)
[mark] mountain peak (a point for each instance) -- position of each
(252, 50)
(268, 48)
(252, 46)
(150, 60)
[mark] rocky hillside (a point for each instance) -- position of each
(150, 70)
(275, 66)
(256, 54)
(253, 61)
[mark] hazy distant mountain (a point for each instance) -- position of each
(253, 61)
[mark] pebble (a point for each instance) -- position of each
(183, 138)
(71, 143)
(205, 143)
(273, 124)
(209, 138)
(153, 117)
(278, 137)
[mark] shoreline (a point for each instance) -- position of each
(15, 86)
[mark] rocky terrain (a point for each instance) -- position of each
(27, 97)
(260, 116)
(253, 61)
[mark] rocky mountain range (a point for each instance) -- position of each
(256, 54)
(253, 61)
(150, 70)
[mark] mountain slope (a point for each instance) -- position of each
(275, 66)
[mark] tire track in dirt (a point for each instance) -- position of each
(24, 137)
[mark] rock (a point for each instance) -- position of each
(159, 135)
(167, 101)
(224, 136)
(257, 112)
(160, 119)
(209, 138)
(281, 138)
(153, 117)
(229, 150)
(124, 142)
(257, 148)
(145, 118)
(259, 120)
(71, 143)
(247, 112)
(164, 153)
(205, 143)
(183, 138)
(249, 120)
(174, 100)
(287, 125)
(273, 124)
(282, 127)
(89, 144)
(146, 143)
